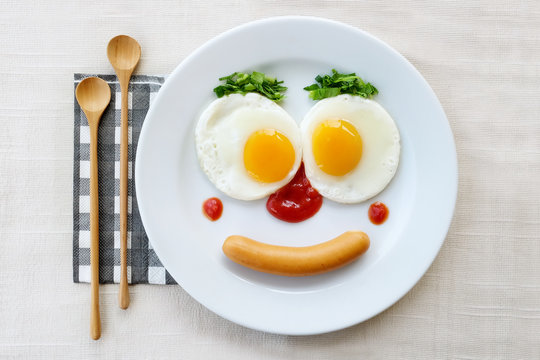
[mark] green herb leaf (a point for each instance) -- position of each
(336, 84)
(243, 83)
(324, 93)
(257, 77)
(312, 87)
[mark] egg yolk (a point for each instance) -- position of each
(268, 156)
(337, 147)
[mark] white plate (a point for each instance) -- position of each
(171, 187)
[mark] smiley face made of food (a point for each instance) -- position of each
(250, 147)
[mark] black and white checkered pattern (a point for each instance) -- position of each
(143, 264)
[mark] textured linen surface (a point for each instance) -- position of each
(143, 265)
(479, 300)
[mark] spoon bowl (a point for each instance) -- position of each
(123, 52)
(93, 95)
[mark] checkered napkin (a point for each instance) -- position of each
(143, 264)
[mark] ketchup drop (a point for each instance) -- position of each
(296, 201)
(212, 208)
(378, 213)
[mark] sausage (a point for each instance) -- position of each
(296, 261)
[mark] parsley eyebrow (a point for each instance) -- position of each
(243, 83)
(335, 84)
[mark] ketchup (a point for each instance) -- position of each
(296, 201)
(212, 208)
(378, 213)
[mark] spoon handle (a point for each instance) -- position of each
(123, 295)
(95, 323)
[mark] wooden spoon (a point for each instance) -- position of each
(93, 95)
(124, 54)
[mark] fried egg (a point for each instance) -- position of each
(351, 148)
(247, 145)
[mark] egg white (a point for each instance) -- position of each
(222, 132)
(380, 148)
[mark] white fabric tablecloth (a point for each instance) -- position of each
(479, 300)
